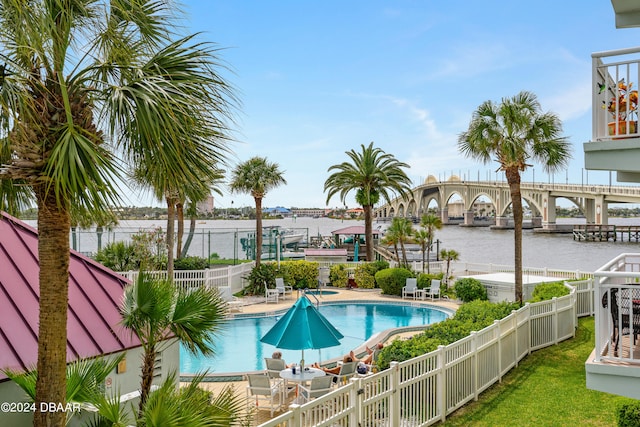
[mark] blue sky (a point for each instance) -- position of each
(317, 79)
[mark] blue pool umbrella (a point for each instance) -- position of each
(301, 328)
(356, 248)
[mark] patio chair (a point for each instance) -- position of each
(283, 290)
(434, 291)
(273, 368)
(319, 387)
(261, 388)
(623, 300)
(410, 288)
(271, 295)
(232, 301)
(347, 370)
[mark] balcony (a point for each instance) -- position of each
(615, 143)
(614, 365)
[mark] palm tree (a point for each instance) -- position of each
(186, 406)
(514, 133)
(256, 176)
(422, 237)
(75, 75)
(156, 310)
(449, 255)
(430, 223)
(372, 173)
(400, 231)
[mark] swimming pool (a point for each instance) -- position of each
(239, 348)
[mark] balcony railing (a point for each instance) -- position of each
(617, 302)
(616, 76)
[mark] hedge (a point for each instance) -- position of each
(392, 280)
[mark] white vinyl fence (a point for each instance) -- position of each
(424, 390)
(232, 276)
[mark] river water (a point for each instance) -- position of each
(474, 244)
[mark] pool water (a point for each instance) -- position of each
(238, 348)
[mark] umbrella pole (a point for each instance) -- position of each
(302, 362)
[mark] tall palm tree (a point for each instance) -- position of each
(156, 310)
(77, 74)
(514, 133)
(448, 255)
(256, 176)
(430, 223)
(422, 238)
(372, 173)
(401, 231)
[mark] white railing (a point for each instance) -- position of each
(615, 77)
(232, 276)
(617, 298)
(424, 390)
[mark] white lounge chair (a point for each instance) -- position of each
(434, 291)
(233, 301)
(261, 388)
(410, 288)
(283, 290)
(271, 295)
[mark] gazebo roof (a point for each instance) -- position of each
(95, 293)
(354, 229)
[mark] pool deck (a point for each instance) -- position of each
(254, 305)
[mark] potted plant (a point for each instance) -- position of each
(622, 108)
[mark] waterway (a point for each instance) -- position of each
(474, 244)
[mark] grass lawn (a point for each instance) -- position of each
(548, 388)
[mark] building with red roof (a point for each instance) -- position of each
(93, 324)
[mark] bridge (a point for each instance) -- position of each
(591, 200)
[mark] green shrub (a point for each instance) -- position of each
(263, 274)
(118, 256)
(628, 414)
(363, 277)
(298, 274)
(392, 280)
(470, 289)
(190, 263)
(472, 316)
(547, 291)
(339, 276)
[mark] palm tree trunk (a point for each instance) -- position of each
(368, 231)
(258, 201)
(53, 247)
(513, 178)
(180, 214)
(404, 254)
(423, 252)
(429, 256)
(148, 365)
(192, 232)
(171, 216)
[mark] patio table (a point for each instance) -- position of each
(299, 377)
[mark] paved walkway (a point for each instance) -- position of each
(258, 305)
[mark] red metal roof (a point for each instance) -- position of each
(354, 229)
(95, 292)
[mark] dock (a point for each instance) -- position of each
(606, 233)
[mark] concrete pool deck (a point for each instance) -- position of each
(259, 306)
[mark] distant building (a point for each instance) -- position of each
(311, 212)
(205, 206)
(278, 210)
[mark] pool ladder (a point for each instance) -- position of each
(314, 297)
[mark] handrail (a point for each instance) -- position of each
(304, 292)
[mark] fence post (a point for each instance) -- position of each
(394, 400)
(296, 419)
(556, 323)
(441, 400)
(476, 368)
(356, 399)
